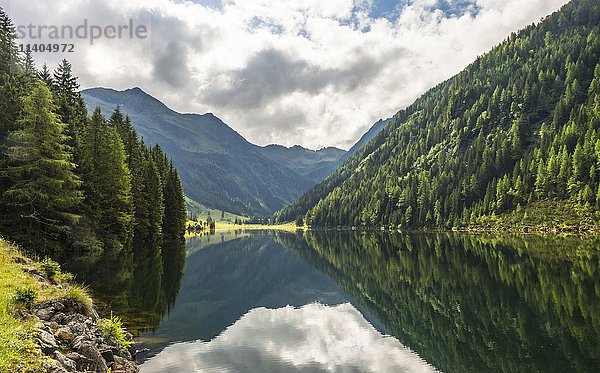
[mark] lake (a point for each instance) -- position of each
(357, 302)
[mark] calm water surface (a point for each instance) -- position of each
(357, 302)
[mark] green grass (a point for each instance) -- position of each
(18, 352)
(80, 298)
(19, 291)
(113, 328)
(202, 212)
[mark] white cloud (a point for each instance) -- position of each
(312, 338)
(334, 69)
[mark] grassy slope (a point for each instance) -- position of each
(203, 212)
(18, 350)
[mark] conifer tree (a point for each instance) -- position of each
(44, 190)
(107, 180)
(10, 68)
(175, 208)
(46, 76)
(71, 106)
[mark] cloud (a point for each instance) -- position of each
(272, 74)
(312, 338)
(309, 72)
(171, 65)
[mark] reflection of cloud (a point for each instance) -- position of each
(312, 338)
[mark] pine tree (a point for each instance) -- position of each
(41, 201)
(46, 76)
(10, 69)
(107, 180)
(175, 208)
(71, 106)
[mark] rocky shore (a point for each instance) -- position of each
(69, 333)
(73, 342)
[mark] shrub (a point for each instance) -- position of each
(25, 297)
(113, 328)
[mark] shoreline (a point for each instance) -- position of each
(50, 324)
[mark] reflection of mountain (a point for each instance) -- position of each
(473, 304)
(224, 281)
(312, 338)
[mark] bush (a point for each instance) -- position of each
(25, 297)
(113, 328)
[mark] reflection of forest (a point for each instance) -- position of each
(471, 303)
(140, 285)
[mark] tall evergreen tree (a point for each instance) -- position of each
(46, 76)
(10, 68)
(107, 180)
(175, 209)
(44, 192)
(71, 106)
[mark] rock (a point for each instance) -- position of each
(45, 313)
(123, 365)
(64, 361)
(82, 363)
(90, 351)
(59, 318)
(77, 328)
(78, 341)
(52, 366)
(65, 335)
(108, 355)
(74, 318)
(47, 342)
(52, 325)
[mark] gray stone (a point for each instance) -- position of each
(59, 318)
(45, 313)
(65, 335)
(64, 361)
(47, 342)
(108, 355)
(98, 364)
(52, 366)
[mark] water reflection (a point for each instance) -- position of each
(471, 303)
(463, 303)
(225, 280)
(139, 284)
(311, 338)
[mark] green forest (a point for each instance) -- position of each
(70, 182)
(513, 140)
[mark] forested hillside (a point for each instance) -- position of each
(513, 137)
(69, 182)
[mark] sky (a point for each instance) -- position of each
(293, 72)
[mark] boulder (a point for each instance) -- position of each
(64, 361)
(90, 351)
(47, 342)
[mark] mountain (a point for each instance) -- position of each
(513, 140)
(218, 167)
(313, 164)
(364, 140)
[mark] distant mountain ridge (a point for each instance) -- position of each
(218, 167)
